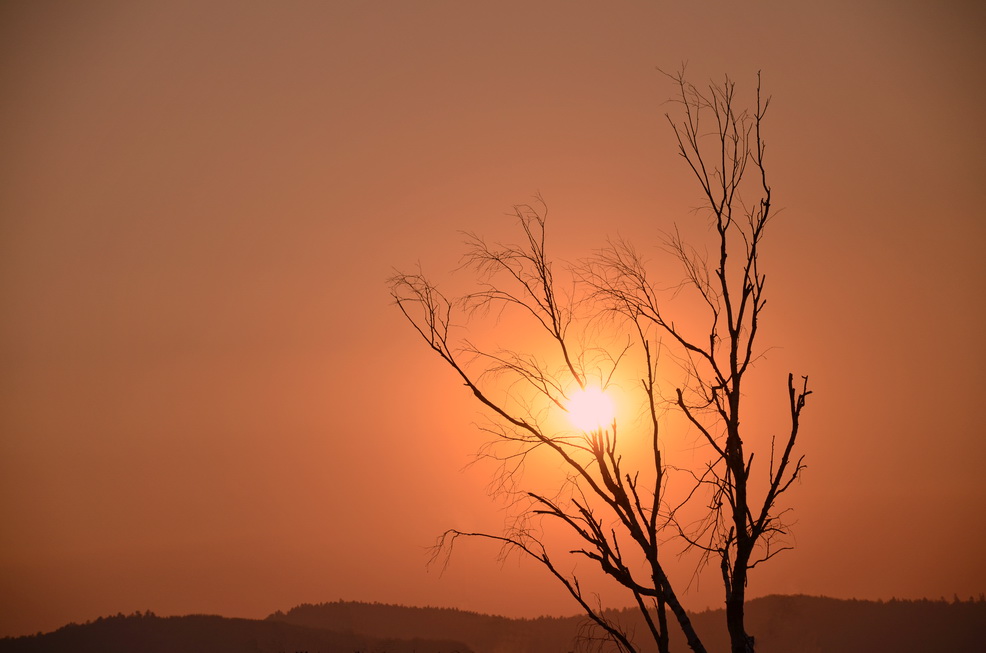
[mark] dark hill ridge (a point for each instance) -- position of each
(483, 633)
(810, 624)
(781, 624)
(147, 633)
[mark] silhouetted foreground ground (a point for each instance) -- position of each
(788, 624)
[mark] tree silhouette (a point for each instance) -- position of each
(604, 315)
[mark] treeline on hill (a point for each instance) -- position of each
(148, 633)
(807, 624)
(779, 623)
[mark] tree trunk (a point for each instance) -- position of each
(663, 646)
(740, 641)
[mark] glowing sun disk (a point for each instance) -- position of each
(590, 409)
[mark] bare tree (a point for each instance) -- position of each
(617, 521)
(618, 513)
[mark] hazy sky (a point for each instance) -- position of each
(208, 402)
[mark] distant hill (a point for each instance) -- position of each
(211, 634)
(482, 633)
(781, 624)
(809, 624)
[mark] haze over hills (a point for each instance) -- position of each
(789, 624)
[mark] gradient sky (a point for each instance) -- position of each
(208, 402)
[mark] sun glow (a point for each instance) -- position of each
(590, 409)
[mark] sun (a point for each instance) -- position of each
(590, 409)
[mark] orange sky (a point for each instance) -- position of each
(207, 402)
